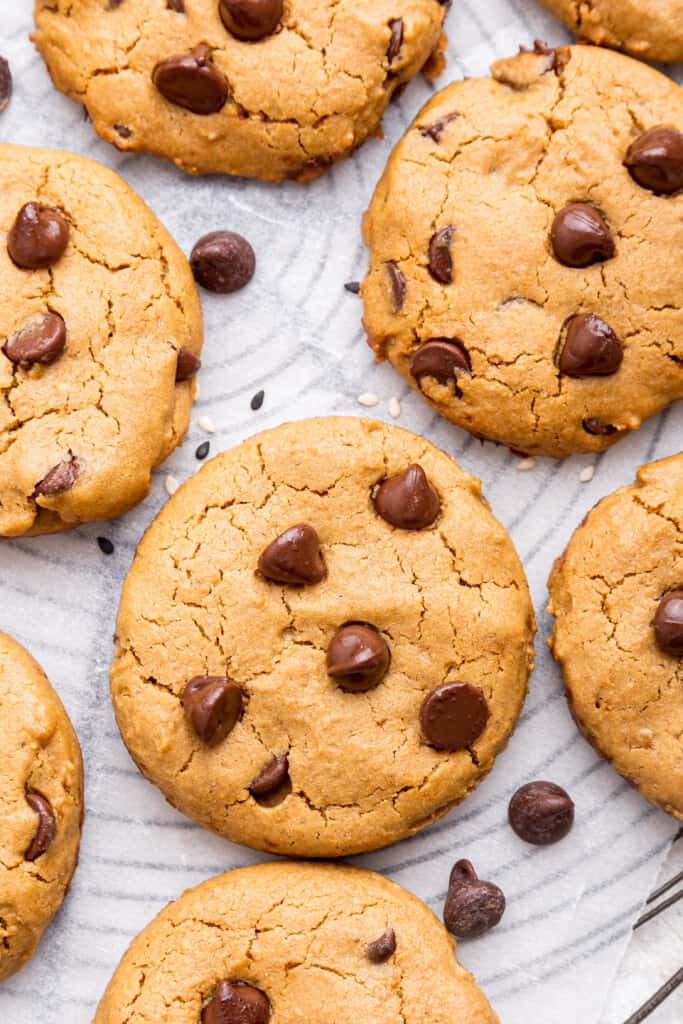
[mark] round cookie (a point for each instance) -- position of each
(249, 87)
(42, 804)
(649, 29)
(300, 675)
(617, 596)
(520, 272)
(99, 342)
(294, 942)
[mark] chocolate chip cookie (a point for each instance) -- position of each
(651, 31)
(520, 251)
(42, 804)
(292, 942)
(262, 88)
(323, 641)
(617, 596)
(100, 334)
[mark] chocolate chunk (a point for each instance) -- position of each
(223, 262)
(47, 826)
(655, 160)
(440, 260)
(358, 657)
(396, 40)
(202, 450)
(251, 19)
(192, 81)
(580, 236)
(294, 557)
(441, 358)
(5, 84)
(187, 366)
(41, 340)
(408, 501)
(591, 348)
(379, 951)
(213, 706)
(60, 479)
(105, 545)
(541, 813)
(236, 1003)
(472, 907)
(597, 427)
(436, 129)
(271, 777)
(398, 286)
(257, 401)
(454, 715)
(669, 624)
(38, 237)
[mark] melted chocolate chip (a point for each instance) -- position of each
(294, 557)
(60, 479)
(223, 262)
(408, 501)
(580, 236)
(213, 706)
(454, 715)
(192, 81)
(5, 84)
(396, 40)
(47, 826)
(398, 286)
(541, 813)
(591, 348)
(187, 366)
(436, 129)
(38, 237)
(655, 160)
(41, 340)
(472, 907)
(442, 359)
(251, 19)
(383, 948)
(358, 657)
(271, 777)
(236, 1003)
(669, 624)
(440, 262)
(597, 427)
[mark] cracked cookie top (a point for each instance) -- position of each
(617, 597)
(287, 943)
(42, 804)
(323, 641)
(99, 341)
(520, 251)
(652, 31)
(259, 88)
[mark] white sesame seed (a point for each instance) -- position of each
(587, 474)
(368, 399)
(171, 484)
(394, 407)
(206, 424)
(524, 465)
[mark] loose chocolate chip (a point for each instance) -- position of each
(379, 951)
(597, 427)
(187, 366)
(294, 557)
(454, 715)
(40, 340)
(192, 81)
(236, 1003)
(47, 826)
(669, 624)
(251, 19)
(408, 501)
(398, 286)
(202, 450)
(472, 907)
(5, 84)
(358, 657)
(38, 237)
(257, 401)
(440, 260)
(580, 236)
(223, 262)
(271, 777)
(213, 706)
(105, 545)
(591, 348)
(60, 479)
(436, 128)
(396, 40)
(655, 160)
(541, 813)
(353, 287)
(441, 358)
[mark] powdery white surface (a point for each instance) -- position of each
(296, 333)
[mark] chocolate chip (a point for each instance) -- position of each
(436, 128)
(398, 286)
(223, 262)
(47, 826)
(440, 261)
(257, 401)
(5, 84)
(669, 624)
(251, 19)
(41, 340)
(213, 706)
(655, 160)
(271, 777)
(236, 1003)
(38, 237)
(396, 40)
(541, 813)
(105, 545)
(358, 657)
(202, 450)
(442, 359)
(454, 715)
(176, 5)
(353, 287)
(580, 236)
(472, 907)
(60, 479)
(408, 501)
(379, 951)
(294, 557)
(192, 81)
(123, 130)
(187, 366)
(591, 348)
(597, 427)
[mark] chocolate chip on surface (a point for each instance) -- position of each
(358, 657)
(192, 81)
(408, 501)
(202, 450)
(669, 624)
(454, 715)
(472, 907)
(383, 948)
(223, 262)
(42, 339)
(294, 557)
(38, 237)
(396, 39)
(60, 479)
(236, 1003)
(251, 20)
(105, 545)
(213, 706)
(655, 160)
(5, 84)
(398, 286)
(440, 261)
(47, 825)
(541, 813)
(271, 777)
(353, 287)
(442, 359)
(580, 236)
(590, 349)
(187, 366)
(257, 401)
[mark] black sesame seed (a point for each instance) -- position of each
(257, 400)
(202, 450)
(353, 287)
(105, 545)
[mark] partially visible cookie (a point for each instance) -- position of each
(100, 335)
(324, 640)
(617, 598)
(42, 804)
(287, 943)
(258, 88)
(651, 31)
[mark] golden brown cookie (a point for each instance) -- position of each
(323, 641)
(259, 88)
(520, 251)
(100, 334)
(42, 804)
(617, 596)
(288, 942)
(649, 29)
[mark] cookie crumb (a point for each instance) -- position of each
(171, 485)
(524, 465)
(394, 407)
(587, 474)
(206, 424)
(368, 399)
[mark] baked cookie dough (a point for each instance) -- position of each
(100, 333)
(520, 251)
(259, 88)
(323, 641)
(649, 29)
(292, 942)
(42, 804)
(617, 596)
